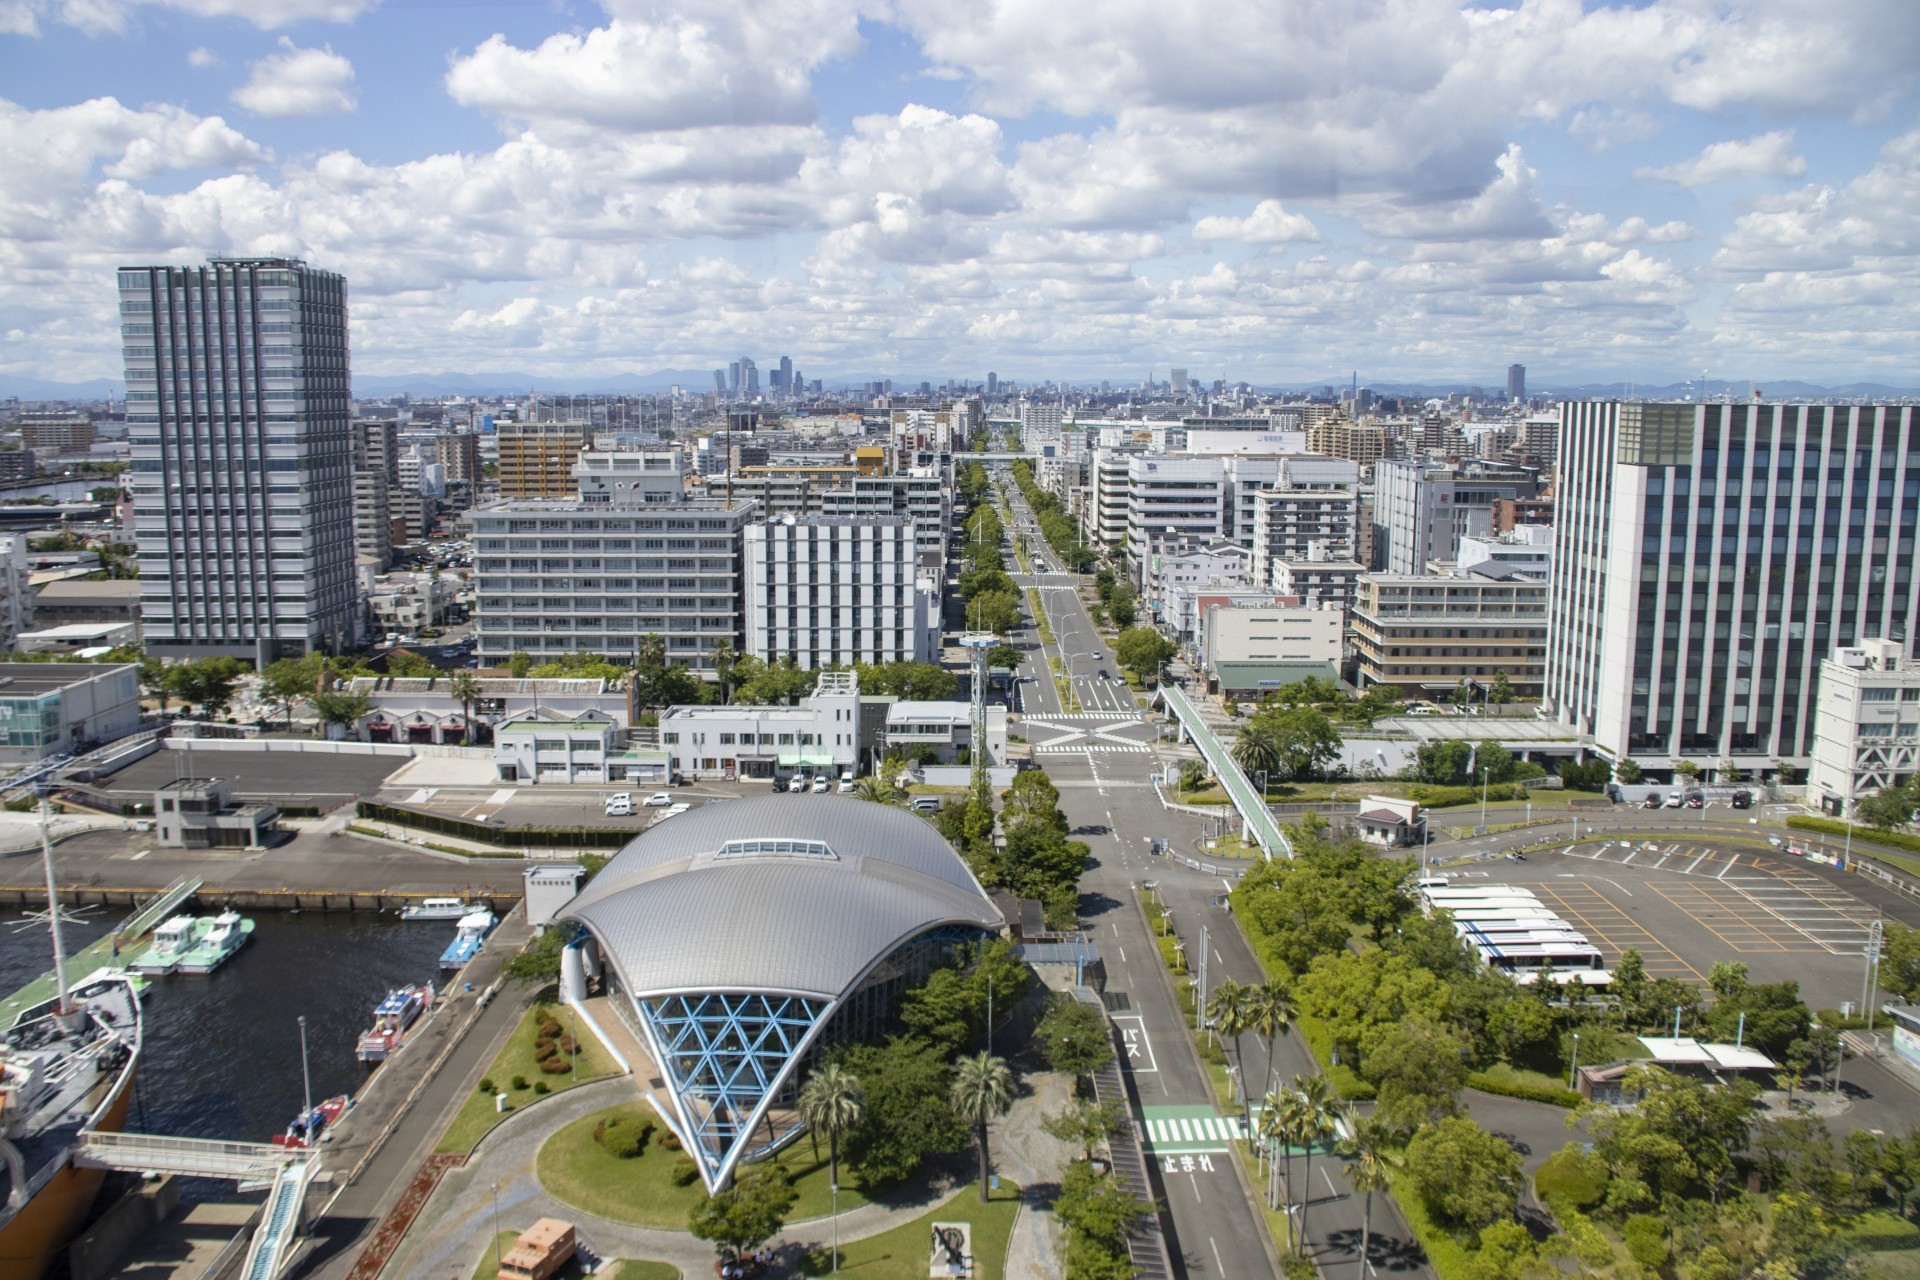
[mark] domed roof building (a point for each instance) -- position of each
(740, 938)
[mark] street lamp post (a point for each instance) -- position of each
(306, 1077)
(1574, 1066)
(1483, 798)
(496, 1225)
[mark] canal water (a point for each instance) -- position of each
(222, 1051)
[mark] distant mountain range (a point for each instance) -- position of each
(434, 385)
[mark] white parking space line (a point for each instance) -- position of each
(1731, 859)
(1696, 862)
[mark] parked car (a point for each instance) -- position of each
(846, 782)
(798, 784)
(1674, 800)
(925, 804)
(1696, 800)
(1775, 841)
(1653, 800)
(620, 805)
(821, 784)
(1743, 799)
(659, 800)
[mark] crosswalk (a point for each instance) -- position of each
(1190, 1130)
(1084, 731)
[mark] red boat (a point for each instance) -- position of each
(308, 1125)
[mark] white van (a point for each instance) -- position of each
(846, 781)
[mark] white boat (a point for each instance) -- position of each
(225, 935)
(171, 943)
(467, 939)
(439, 909)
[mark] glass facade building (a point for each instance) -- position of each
(1709, 557)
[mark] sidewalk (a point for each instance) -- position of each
(461, 1212)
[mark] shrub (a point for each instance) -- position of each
(486, 1085)
(627, 1140)
(1511, 1087)
(670, 1141)
(1440, 797)
(1572, 1178)
(519, 1082)
(1646, 1239)
(1828, 826)
(540, 1086)
(555, 1065)
(684, 1172)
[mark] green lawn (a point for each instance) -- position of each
(477, 1114)
(640, 1191)
(903, 1253)
(616, 1268)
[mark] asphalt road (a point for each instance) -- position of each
(1103, 786)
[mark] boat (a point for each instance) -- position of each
(467, 939)
(391, 1019)
(67, 1067)
(438, 909)
(225, 934)
(171, 941)
(307, 1127)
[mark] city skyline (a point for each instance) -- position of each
(1277, 194)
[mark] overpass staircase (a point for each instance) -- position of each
(285, 1171)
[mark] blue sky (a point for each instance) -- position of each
(1277, 190)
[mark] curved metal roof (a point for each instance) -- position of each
(776, 893)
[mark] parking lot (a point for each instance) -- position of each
(1687, 904)
(576, 805)
(277, 776)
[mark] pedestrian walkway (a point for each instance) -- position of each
(501, 1181)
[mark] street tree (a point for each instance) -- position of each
(1369, 1157)
(1500, 689)
(1084, 1123)
(1227, 1009)
(1318, 1113)
(832, 1102)
(1889, 807)
(1257, 748)
(465, 688)
(1142, 650)
(1073, 1037)
(982, 1092)
(747, 1214)
(1627, 770)
(336, 707)
(206, 683)
(1465, 1175)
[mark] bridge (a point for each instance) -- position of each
(286, 1171)
(1261, 828)
(149, 1153)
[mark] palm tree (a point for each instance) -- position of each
(1276, 1132)
(1270, 1012)
(872, 789)
(1290, 1128)
(1227, 1010)
(1318, 1110)
(832, 1102)
(465, 688)
(1256, 749)
(982, 1092)
(1368, 1160)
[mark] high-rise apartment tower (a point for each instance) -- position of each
(238, 417)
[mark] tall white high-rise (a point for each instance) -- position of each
(1708, 558)
(238, 417)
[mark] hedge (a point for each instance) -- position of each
(1438, 797)
(1832, 827)
(516, 837)
(1449, 1259)
(1508, 1086)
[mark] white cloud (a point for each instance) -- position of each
(111, 17)
(1269, 223)
(202, 58)
(298, 82)
(1507, 208)
(1767, 155)
(733, 64)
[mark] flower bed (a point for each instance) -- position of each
(393, 1228)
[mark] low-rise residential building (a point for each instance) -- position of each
(1327, 583)
(1866, 724)
(406, 602)
(946, 728)
(1180, 562)
(1426, 633)
(1390, 821)
(593, 748)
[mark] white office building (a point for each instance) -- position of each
(825, 592)
(820, 735)
(1422, 511)
(1525, 551)
(1866, 724)
(1708, 557)
(554, 577)
(242, 470)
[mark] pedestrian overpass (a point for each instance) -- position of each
(285, 1171)
(1254, 815)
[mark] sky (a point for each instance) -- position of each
(1282, 191)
